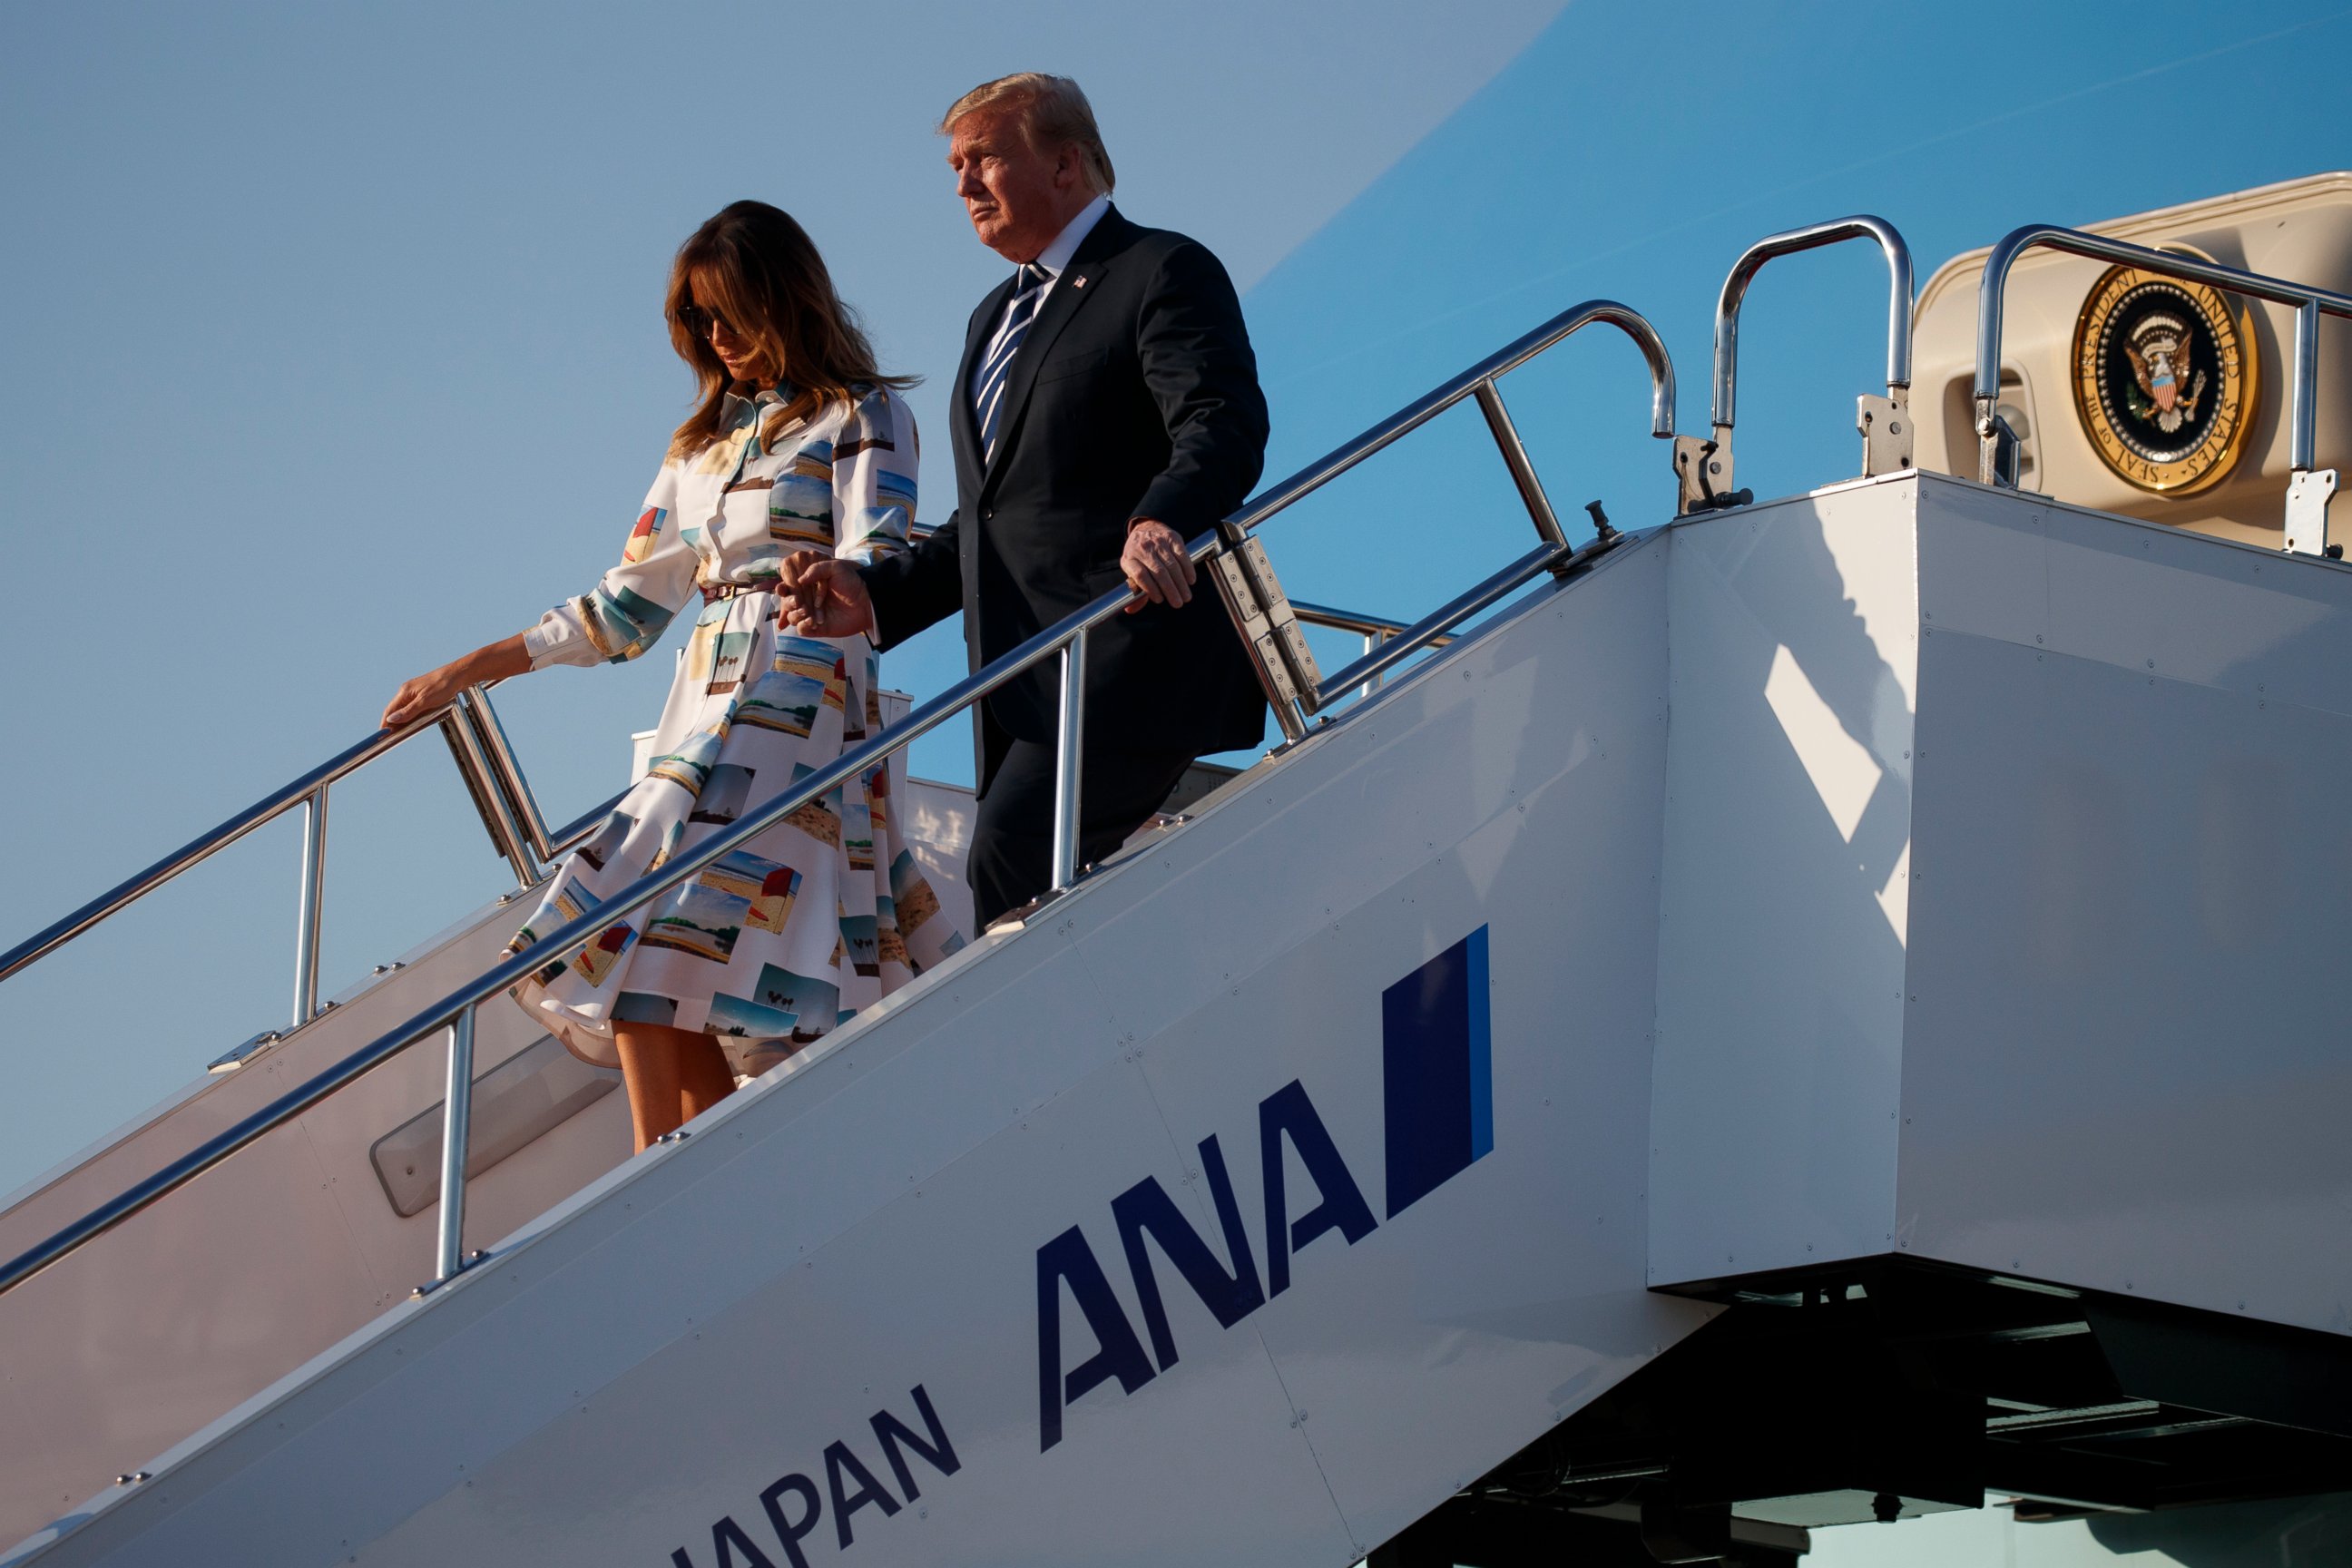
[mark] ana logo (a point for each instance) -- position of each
(2164, 380)
(1438, 1117)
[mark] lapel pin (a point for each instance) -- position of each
(1078, 282)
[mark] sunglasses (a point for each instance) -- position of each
(698, 322)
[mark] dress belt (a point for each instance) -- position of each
(715, 591)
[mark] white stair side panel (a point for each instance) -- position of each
(1513, 788)
(2125, 1065)
(870, 1219)
(1792, 629)
(937, 1290)
(161, 1326)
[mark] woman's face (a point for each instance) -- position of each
(744, 357)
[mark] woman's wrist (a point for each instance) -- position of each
(499, 660)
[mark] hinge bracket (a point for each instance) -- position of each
(1269, 629)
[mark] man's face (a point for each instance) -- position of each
(1017, 197)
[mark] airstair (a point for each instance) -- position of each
(1803, 1012)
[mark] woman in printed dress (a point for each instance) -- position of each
(799, 444)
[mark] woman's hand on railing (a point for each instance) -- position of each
(825, 597)
(420, 695)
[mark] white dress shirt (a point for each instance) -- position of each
(1054, 260)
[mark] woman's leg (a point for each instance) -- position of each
(670, 1075)
(705, 1077)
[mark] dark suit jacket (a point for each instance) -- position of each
(1135, 394)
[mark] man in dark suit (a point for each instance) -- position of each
(1106, 409)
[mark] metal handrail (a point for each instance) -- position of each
(1420, 411)
(510, 810)
(309, 790)
(1706, 464)
(1369, 627)
(1374, 630)
(1393, 651)
(1478, 382)
(1812, 236)
(2307, 490)
(1065, 641)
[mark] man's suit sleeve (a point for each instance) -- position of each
(916, 588)
(1197, 362)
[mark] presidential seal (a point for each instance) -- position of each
(2164, 380)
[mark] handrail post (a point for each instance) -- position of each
(457, 1119)
(506, 771)
(2307, 493)
(309, 907)
(1523, 470)
(2306, 414)
(294, 793)
(489, 796)
(1069, 761)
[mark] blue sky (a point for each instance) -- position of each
(335, 348)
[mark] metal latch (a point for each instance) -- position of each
(1884, 424)
(1269, 629)
(2307, 495)
(1703, 471)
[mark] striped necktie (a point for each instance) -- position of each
(988, 401)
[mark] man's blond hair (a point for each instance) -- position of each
(1053, 113)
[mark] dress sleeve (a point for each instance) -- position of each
(627, 612)
(874, 462)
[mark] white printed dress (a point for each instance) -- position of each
(771, 946)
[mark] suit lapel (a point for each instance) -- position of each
(963, 423)
(1075, 286)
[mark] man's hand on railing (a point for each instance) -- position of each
(825, 597)
(1156, 563)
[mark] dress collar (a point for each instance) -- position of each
(735, 408)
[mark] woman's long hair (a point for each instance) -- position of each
(757, 268)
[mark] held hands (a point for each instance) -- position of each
(1156, 564)
(825, 597)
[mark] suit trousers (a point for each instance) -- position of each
(1013, 842)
